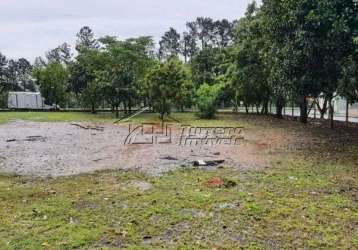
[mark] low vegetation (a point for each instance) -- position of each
(306, 199)
(296, 204)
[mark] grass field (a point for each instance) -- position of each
(301, 202)
(183, 118)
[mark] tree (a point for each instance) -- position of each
(93, 94)
(3, 74)
(18, 75)
(24, 78)
(84, 70)
(53, 82)
(223, 31)
(188, 45)
(86, 39)
(348, 84)
(207, 65)
(169, 45)
(126, 64)
(205, 31)
(60, 54)
(248, 73)
(311, 38)
(163, 83)
(206, 99)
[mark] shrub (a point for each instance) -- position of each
(206, 99)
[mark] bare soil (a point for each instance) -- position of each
(43, 149)
(61, 149)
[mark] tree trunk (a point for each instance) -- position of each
(117, 111)
(331, 113)
(303, 108)
(279, 107)
(265, 108)
(347, 112)
(162, 119)
(247, 109)
(93, 108)
(125, 107)
(293, 110)
(322, 110)
(130, 105)
(270, 108)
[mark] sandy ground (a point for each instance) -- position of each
(63, 149)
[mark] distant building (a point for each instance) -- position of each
(27, 100)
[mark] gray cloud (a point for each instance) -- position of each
(28, 28)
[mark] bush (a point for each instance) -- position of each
(206, 99)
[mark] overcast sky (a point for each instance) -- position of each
(29, 28)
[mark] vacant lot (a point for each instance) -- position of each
(52, 149)
(286, 186)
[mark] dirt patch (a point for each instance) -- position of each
(63, 149)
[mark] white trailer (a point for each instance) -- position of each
(27, 100)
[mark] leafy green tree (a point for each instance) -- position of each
(207, 65)
(248, 73)
(207, 99)
(223, 33)
(348, 84)
(84, 70)
(310, 39)
(92, 94)
(124, 72)
(86, 39)
(17, 75)
(61, 54)
(169, 45)
(188, 45)
(53, 82)
(163, 85)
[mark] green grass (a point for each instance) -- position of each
(6, 117)
(183, 118)
(303, 202)
(296, 205)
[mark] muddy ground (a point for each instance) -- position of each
(61, 149)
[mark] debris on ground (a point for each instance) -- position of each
(218, 182)
(215, 182)
(202, 163)
(232, 205)
(97, 128)
(35, 138)
(169, 158)
(30, 139)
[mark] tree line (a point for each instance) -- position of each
(286, 53)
